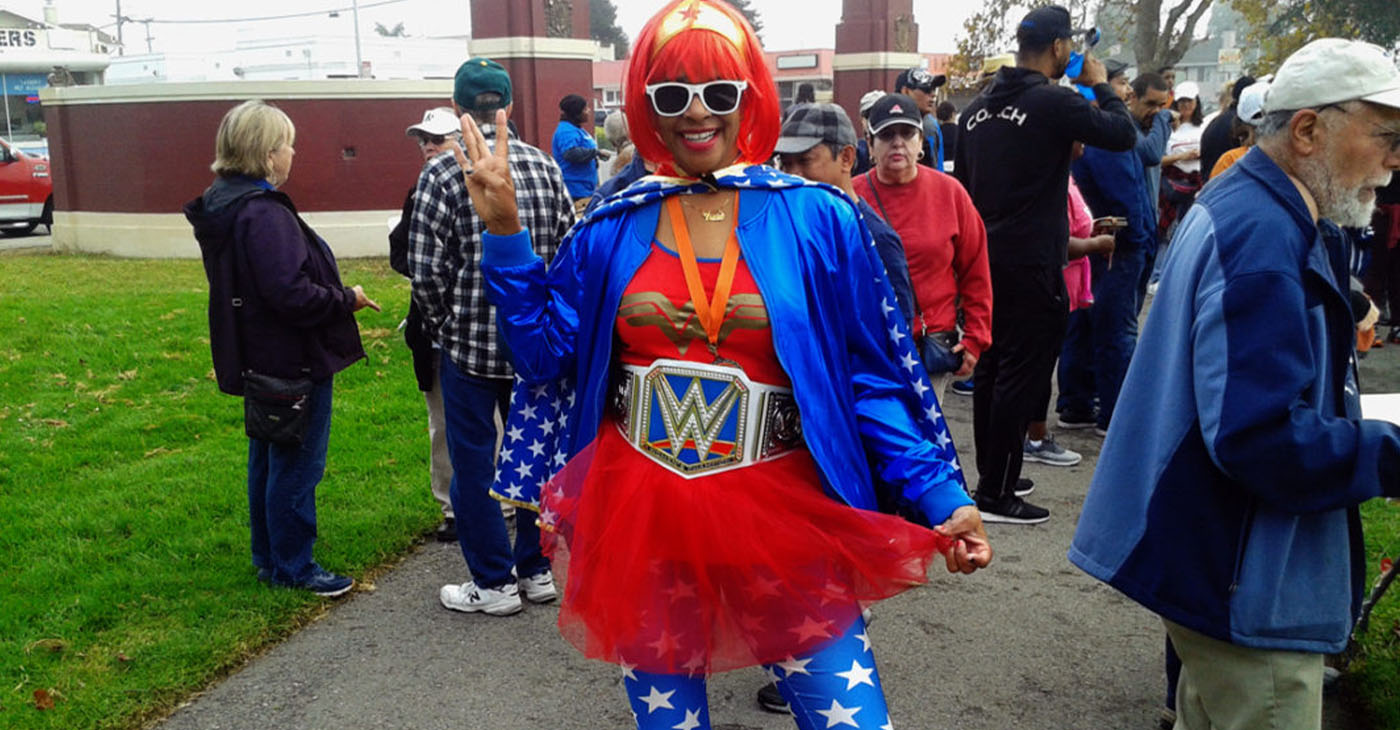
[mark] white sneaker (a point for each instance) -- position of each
(469, 598)
(539, 588)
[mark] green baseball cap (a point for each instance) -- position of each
(480, 76)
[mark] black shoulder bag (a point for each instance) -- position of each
(274, 409)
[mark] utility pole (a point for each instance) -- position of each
(121, 47)
(359, 62)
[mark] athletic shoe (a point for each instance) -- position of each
(1049, 452)
(770, 699)
(1012, 510)
(961, 387)
(1166, 718)
(1101, 431)
(1072, 421)
(539, 588)
(264, 575)
(323, 583)
(1024, 486)
(447, 531)
(469, 598)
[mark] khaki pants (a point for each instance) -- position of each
(940, 384)
(1229, 687)
(440, 463)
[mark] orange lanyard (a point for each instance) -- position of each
(711, 312)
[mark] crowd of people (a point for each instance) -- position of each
(706, 383)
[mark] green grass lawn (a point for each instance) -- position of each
(125, 580)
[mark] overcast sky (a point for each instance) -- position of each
(788, 24)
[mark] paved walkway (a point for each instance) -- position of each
(1029, 643)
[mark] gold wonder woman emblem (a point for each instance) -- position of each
(681, 326)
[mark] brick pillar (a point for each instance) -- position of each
(545, 47)
(875, 40)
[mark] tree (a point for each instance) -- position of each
(396, 32)
(748, 11)
(1161, 31)
(603, 27)
(1277, 28)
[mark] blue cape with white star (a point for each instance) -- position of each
(869, 417)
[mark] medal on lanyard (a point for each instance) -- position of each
(710, 311)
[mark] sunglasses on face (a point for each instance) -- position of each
(899, 131)
(433, 139)
(672, 98)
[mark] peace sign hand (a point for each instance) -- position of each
(487, 175)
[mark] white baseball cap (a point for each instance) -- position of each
(1251, 105)
(1331, 71)
(869, 100)
(438, 122)
(1188, 90)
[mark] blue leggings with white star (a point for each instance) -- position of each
(834, 687)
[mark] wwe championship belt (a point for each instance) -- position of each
(697, 419)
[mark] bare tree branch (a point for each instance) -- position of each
(1183, 42)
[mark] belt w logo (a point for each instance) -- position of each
(697, 419)
(699, 430)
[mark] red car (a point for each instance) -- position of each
(26, 191)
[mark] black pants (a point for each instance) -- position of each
(1012, 381)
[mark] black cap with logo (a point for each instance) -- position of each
(894, 109)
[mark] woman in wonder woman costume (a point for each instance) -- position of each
(742, 396)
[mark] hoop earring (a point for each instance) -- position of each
(921, 154)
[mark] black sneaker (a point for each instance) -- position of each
(323, 583)
(1024, 486)
(961, 387)
(770, 699)
(447, 531)
(1072, 420)
(1012, 510)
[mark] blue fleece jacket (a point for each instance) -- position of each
(1225, 496)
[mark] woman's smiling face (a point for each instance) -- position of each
(700, 141)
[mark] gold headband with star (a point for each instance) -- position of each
(698, 15)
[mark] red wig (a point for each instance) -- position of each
(697, 54)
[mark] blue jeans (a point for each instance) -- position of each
(1101, 339)
(469, 404)
(835, 686)
(282, 494)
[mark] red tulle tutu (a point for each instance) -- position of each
(751, 566)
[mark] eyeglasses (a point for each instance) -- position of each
(899, 131)
(1386, 133)
(672, 98)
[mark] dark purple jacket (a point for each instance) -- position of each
(276, 302)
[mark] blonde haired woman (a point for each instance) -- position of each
(279, 314)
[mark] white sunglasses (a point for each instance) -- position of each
(672, 98)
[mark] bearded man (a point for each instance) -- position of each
(1225, 498)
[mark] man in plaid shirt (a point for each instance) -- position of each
(444, 253)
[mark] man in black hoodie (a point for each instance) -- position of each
(1013, 157)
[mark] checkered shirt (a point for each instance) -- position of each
(444, 238)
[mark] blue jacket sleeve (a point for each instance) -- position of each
(887, 406)
(1252, 368)
(1153, 145)
(536, 308)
